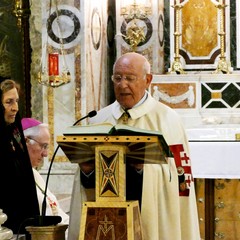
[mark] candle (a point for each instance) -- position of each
(53, 64)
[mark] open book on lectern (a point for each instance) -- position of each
(119, 130)
(107, 129)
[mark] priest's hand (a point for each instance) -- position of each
(87, 167)
(137, 166)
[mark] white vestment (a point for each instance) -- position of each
(164, 214)
(52, 204)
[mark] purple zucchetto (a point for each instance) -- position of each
(29, 122)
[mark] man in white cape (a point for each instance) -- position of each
(168, 206)
(37, 137)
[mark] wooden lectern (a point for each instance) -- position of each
(111, 216)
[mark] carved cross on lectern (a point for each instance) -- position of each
(109, 180)
(110, 173)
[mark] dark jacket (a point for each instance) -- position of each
(18, 197)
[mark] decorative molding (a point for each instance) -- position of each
(144, 23)
(69, 15)
(110, 31)
(187, 96)
(96, 28)
(175, 95)
(161, 29)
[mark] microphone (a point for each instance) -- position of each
(44, 220)
(90, 114)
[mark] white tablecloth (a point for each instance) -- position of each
(215, 159)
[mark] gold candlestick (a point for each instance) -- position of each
(176, 65)
(223, 65)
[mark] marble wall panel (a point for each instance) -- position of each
(200, 99)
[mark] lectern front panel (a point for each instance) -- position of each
(110, 173)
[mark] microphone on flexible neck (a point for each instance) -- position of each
(50, 220)
(90, 114)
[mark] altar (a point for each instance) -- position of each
(215, 151)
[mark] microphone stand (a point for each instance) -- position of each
(51, 220)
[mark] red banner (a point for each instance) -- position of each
(183, 165)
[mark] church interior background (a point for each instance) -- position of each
(62, 52)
